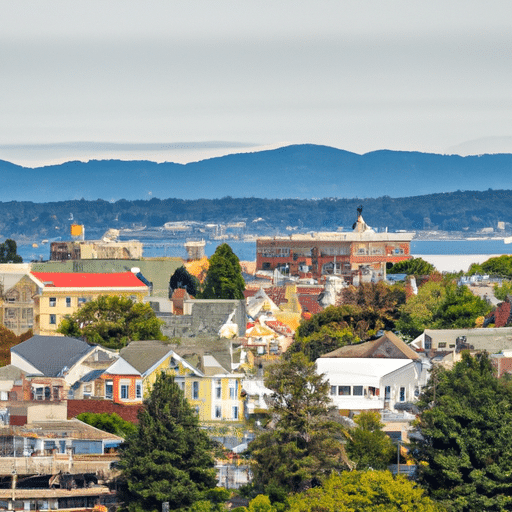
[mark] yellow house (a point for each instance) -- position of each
(62, 293)
(211, 390)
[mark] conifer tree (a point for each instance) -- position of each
(224, 279)
(169, 458)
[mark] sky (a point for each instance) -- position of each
(183, 81)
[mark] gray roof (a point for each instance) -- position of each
(11, 372)
(51, 354)
(142, 355)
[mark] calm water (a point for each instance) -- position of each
(246, 251)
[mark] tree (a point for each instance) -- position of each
(169, 457)
(8, 339)
(368, 446)
(8, 252)
(414, 266)
(369, 491)
(440, 305)
(224, 279)
(503, 291)
(367, 309)
(500, 266)
(183, 279)
(465, 451)
(302, 445)
(113, 322)
(112, 423)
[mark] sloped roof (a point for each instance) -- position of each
(142, 355)
(89, 280)
(51, 354)
(388, 346)
(121, 367)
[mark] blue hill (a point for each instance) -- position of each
(297, 171)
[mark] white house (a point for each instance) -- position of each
(358, 384)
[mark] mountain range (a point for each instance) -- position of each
(297, 171)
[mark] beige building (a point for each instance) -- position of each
(62, 293)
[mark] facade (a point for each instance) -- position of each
(17, 302)
(61, 294)
(361, 254)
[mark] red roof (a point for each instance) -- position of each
(89, 280)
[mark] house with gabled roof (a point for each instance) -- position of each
(374, 375)
(62, 293)
(58, 356)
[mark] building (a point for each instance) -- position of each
(358, 255)
(374, 375)
(62, 293)
(17, 291)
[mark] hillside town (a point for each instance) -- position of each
(68, 351)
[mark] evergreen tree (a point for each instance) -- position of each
(169, 457)
(414, 266)
(368, 446)
(302, 445)
(224, 279)
(465, 451)
(8, 252)
(183, 279)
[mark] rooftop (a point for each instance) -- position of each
(89, 280)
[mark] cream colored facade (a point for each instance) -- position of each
(53, 304)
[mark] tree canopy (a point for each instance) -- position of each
(414, 266)
(224, 279)
(169, 457)
(465, 449)
(113, 322)
(363, 491)
(440, 305)
(366, 310)
(112, 423)
(8, 252)
(302, 445)
(368, 446)
(183, 279)
(499, 266)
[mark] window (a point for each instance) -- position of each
(138, 389)
(53, 301)
(333, 390)
(195, 390)
(442, 345)
(124, 391)
(109, 389)
(53, 319)
(218, 389)
(402, 394)
(387, 392)
(233, 389)
(357, 390)
(68, 302)
(343, 390)
(81, 301)
(218, 411)
(235, 412)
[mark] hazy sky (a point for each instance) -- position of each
(358, 75)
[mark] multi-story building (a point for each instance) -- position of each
(361, 252)
(62, 293)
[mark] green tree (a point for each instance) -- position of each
(169, 457)
(224, 279)
(500, 266)
(8, 252)
(440, 305)
(465, 452)
(113, 322)
(183, 279)
(368, 446)
(112, 423)
(368, 491)
(503, 291)
(303, 444)
(414, 266)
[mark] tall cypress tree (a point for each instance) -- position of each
(169, 458)
(224, 279)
